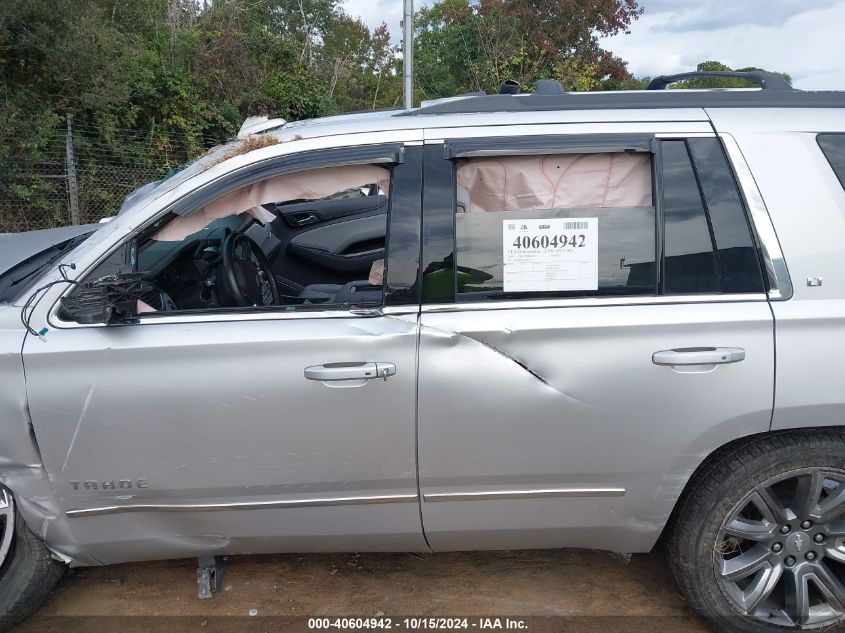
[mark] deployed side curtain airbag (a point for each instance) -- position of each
(376, 277)
(515, 183)
(312, 184)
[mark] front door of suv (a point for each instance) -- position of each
(231, 431)
(594, 323)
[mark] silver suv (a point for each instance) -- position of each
(506, 321)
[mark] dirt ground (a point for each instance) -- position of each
(546, 590)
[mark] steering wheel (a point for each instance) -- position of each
(246, 278)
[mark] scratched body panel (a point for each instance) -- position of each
(21, 468)
(569, 399)
(220, 413)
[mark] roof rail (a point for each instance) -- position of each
(548, 87)
(630, 100)
(766, 81)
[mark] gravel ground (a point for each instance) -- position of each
(545, 590)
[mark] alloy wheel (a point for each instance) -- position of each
(779, 555)
(7, 523)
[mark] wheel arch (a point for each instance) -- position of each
(723, 452)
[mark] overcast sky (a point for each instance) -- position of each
(801, 37)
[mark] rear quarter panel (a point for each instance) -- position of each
(807, 206)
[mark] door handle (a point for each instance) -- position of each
(330, 372)
(699, 356)
(302, 219)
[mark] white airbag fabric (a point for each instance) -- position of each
(516, 183)
(304, 185)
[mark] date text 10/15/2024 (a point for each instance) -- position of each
(418, 623)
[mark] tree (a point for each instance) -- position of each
(462, 46)
(150, 84)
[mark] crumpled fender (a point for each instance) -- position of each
(21, 467)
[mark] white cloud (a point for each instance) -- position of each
(374, 12)
(707, 15)
(807, 42)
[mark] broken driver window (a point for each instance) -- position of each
(301, 240)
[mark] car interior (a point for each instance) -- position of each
(305, 239)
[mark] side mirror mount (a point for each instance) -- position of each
(109, 299)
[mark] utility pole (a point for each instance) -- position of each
(72, 189)
(408, 42)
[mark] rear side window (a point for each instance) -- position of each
(708, 244)
(689, 262)
(598, 224)
(736, 251)
(530, 226)
(833, 147)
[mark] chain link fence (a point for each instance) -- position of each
(41, 195)
(41, 199)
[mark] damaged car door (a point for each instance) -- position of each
(233, 415)
(595, 327)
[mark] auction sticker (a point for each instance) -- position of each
(550, 254)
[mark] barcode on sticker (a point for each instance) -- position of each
(574, 226)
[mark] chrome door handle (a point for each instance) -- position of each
(349, 371)
(699, 356)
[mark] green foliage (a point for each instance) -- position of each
(629, 83)
(194, 69)
(150, 84)
(177, 69)
(463, 46)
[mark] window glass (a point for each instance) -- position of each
(833, 146)
(301, 240)
(736, 252)
(689, 265)
(554, 225)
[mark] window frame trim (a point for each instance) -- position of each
(593, 143)
(775, 269)
(593, 302)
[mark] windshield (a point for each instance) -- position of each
(18, 279)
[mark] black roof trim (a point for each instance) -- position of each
(766, 81)
(636, 100)
(546, 144)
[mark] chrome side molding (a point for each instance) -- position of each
(247, 505)
(524, 494)
(591, 302)
(348, 501)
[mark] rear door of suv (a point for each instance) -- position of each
(594, 323)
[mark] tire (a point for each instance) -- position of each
(27, 574)
(755, 540)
